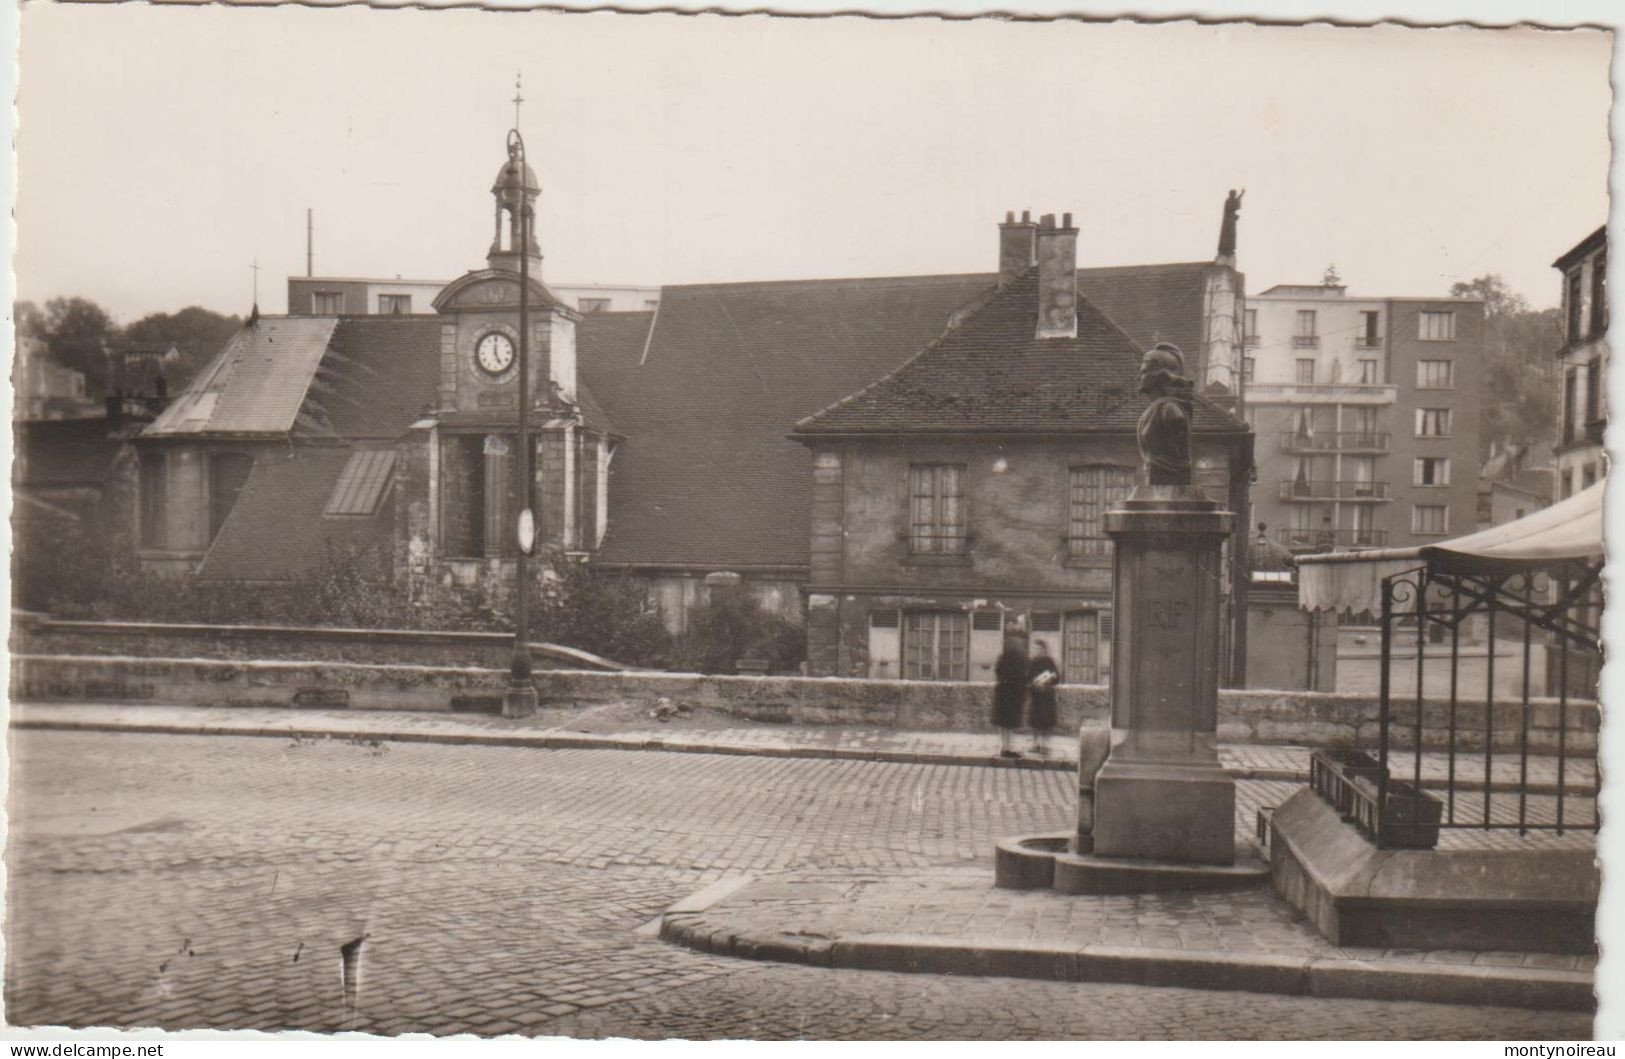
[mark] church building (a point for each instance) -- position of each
(666, 444)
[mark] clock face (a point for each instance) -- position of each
(494, 353)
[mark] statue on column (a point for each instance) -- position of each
(1227, 230)
(1165, 427)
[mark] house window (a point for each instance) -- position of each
(1571, 382)
(1588, 476)
(1430, 518)
(1306, 371)
(1566, 484)
(394, 304)
(936, 645)
(1433, 422)
(1305, 333)
(1599, 295)
(1431, 470)
(1593, 390)
(327, 303)
(937, 509)
(1364, 530)
(153, 533)
(478, 496)
(1571, 305)
(1437, 327)
(1080, 648)
(1249, 368)
(1368, 337)
(1435, 374)
(1093, 491)
(1370, 372)
(1249, 327)
(594, 305)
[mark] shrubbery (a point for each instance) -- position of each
(72, 572)
(733, 625)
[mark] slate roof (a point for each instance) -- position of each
(991, 374)
(380, 375)
(256, 385)
(277, 530)
(706, 388)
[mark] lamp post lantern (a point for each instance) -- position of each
(520, 699)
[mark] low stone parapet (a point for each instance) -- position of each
(1297, 718)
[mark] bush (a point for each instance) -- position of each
(733, 625)
(74, 572)
(607, 614)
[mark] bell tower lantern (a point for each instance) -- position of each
(515, 188)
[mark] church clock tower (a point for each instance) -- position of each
(472, 433)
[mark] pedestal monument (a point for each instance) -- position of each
(1155, 809)
(1161, 794)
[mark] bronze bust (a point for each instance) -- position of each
(1165, 427)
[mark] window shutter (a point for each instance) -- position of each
(987, 620)
(1046, 622)
(883, 619)
(1105, 625)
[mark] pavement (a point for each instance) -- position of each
(628, 726)
(165, 872)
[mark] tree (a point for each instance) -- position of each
(195, 332)
(1519, 398)
(77, 334)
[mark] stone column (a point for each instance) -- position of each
(1161, 795)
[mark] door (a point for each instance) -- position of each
(935, 645)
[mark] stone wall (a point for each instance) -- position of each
(1282, 717)
(284, 643)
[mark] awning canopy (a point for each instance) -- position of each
(1568, 531)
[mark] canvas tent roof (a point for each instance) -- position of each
(1570, 530)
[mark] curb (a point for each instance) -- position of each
(1311, 976)
(543, 741)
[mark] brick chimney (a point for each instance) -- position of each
(1018, 246)
(1057, 278)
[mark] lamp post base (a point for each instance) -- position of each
(519, 701)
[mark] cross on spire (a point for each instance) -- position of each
(518, 97)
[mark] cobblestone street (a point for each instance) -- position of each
(181, 881)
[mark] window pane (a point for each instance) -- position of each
(1081, 648)
(1094, 491)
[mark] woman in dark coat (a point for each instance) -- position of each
(1009, 693)
(1042, 676)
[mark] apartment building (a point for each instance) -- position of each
(362, 296)
(1365, 413)
(1581, 461)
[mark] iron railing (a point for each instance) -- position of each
(1553, 617)
(1311, 489)
(1306, 540)
(1334, 441)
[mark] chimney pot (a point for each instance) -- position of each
(1018, 250)
(1066, 220)
(1009, 216)
(1026, 217)
(1057, 279)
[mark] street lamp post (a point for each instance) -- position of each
(520, 699)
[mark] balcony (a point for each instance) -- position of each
(1367, 342)
(1320, 393)
(1312, 491)
(1333, 441)
(1309, 540)
(1250, 341)
(1305, 341)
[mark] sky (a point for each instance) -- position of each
(162, 151)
